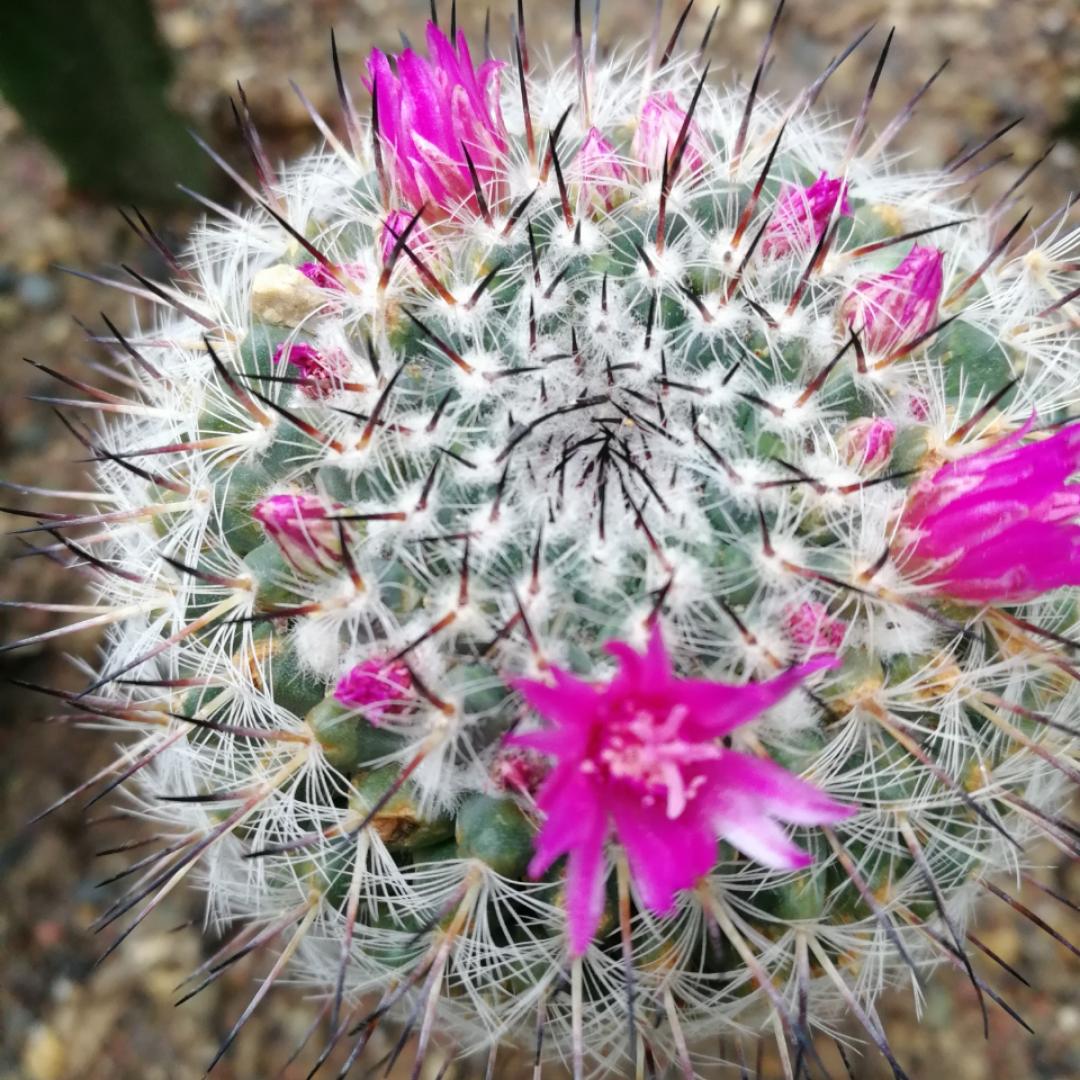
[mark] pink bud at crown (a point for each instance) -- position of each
(599, 173)
(811, 629)
(641, 756)
(658, 134)
(321, 369)
(997, 526)
(802, 214)
(375, 687)
(433, 110)
(300, 525)
(891, 310)
(866, 444)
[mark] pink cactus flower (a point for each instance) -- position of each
(430, 112)
(599, 174)
(866, 444)
(375, 687)
(891, 310)
(802, 214)
(658, 133)
(1000, 525)
(641, 756)
(813, 630)
(319, 275)
(301, 526)
(322, 369)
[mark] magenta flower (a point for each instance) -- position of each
(802, 214)
(641, 756)
(813, 630)
(430, 112)
(998, 526)
(377, 687)
(891, 310)
(319, 275)
(321, 368)
(867, 443)
(304, 532)
(658, 133)
(599, 173)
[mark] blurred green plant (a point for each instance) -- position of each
(92, 84)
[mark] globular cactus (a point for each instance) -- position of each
(547, 492)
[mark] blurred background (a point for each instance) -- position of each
(111, 87)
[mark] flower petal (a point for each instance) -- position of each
(666, 855)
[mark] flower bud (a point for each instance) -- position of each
(866, 444)
(397, 221)
(891, 310)
(599, 173)
(658, 134)
(321, 369)
(812, 630)
(300, 525)
(802, 214)
(431, 110)
(376, 687)
(1000, 525)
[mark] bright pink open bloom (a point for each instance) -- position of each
(304, 532)
(641, 756)
(891, 310)
(430, 112)
(802, 214)
(658, 133)
(321, 368)
(377, 687)
(1000, 525)
(599, 173)
(813, 630)
(319, 275)
(867, 443)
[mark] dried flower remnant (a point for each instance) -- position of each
(1000, 525)
(640, 757)
(319, 274)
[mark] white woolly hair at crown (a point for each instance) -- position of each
(539, 430)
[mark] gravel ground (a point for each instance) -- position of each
(62, 1017)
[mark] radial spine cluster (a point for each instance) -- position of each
(527, 361)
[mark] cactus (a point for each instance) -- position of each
(547, 491)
